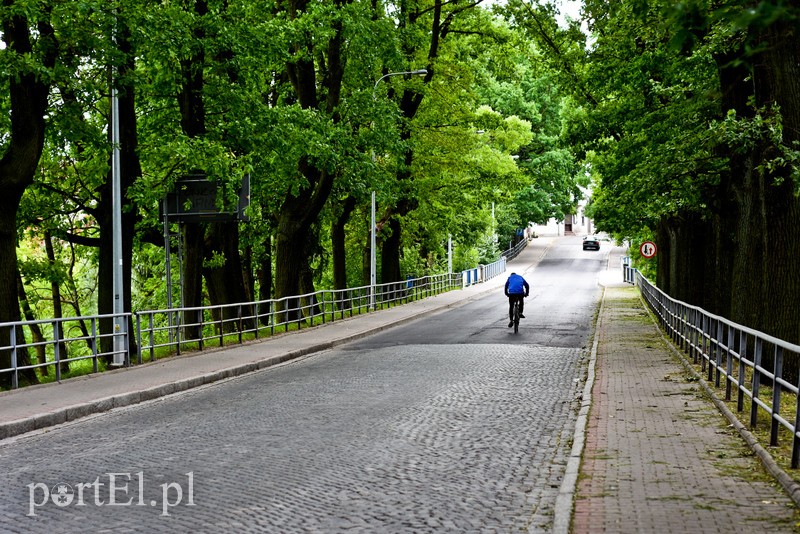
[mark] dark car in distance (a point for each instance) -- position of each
(591, 242)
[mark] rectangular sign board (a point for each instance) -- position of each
(194, 200)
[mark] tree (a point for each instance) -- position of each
(424, 27)
(316, 72)
(694, 139)
(28, 56)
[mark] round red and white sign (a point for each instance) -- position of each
(648, 249)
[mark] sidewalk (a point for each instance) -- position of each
(659, 456)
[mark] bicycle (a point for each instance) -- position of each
(516, 316)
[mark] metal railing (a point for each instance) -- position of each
(746, 359)
(201, 326)
(511, 253)
(60, 348)
(482, 273)
(60, 342)
(628, 272)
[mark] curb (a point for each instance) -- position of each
(566, 492)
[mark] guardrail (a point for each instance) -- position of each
(746, 359)
(178, 329)
(201, 326)
(61, 348)
(628, 272)
(482, 273)
(511, 253)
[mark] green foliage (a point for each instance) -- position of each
(488, 131)
(488, 249)
(465, 258)
(646, 140)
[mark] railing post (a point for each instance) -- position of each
(742, 357)
(695, 335)
(201, 326)
(776, 397)
(729, 363)
(350, 298)
(712, 349)
(241, 324)
(718, 353)
(673, 333)
(152, 338)
(13, 342)
(127, 340)
(299, 314)
(138, 338)
(756, 383)
(703, 342)
(94, 344)
(795, 437)
(221, 328)
(57, 351)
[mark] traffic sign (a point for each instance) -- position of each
(648, 249)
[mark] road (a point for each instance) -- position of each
(448, 424)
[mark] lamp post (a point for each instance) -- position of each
(119, 336)
(372, 241)
(120, 324)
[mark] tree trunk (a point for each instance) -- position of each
(751, 253)
(392, 243)
(193, 239)
(300, 211)
(23, 148)
(736, 89)
(339, 251)
(193, 124)
(225, 283)
(247, 274)
(777, 83)
(685, 251)
(36, 332)
(366, 258)
(390, 253)
(58, 313)
(664, 256)
(296, 240)
(290, 260)
(311, 248)
(777, 80)
(265, 280)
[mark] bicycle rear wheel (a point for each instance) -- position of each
(516, 317)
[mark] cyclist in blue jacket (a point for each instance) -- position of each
(516, 289)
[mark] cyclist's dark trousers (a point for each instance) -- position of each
(511, 299)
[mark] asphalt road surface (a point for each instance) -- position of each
(448, 424)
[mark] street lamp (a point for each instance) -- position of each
(120, 324)
(372, 241)
(119, 335)
(418, 72)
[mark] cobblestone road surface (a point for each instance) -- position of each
(430, 438)
(392, 434)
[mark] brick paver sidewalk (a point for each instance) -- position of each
(658, 456)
